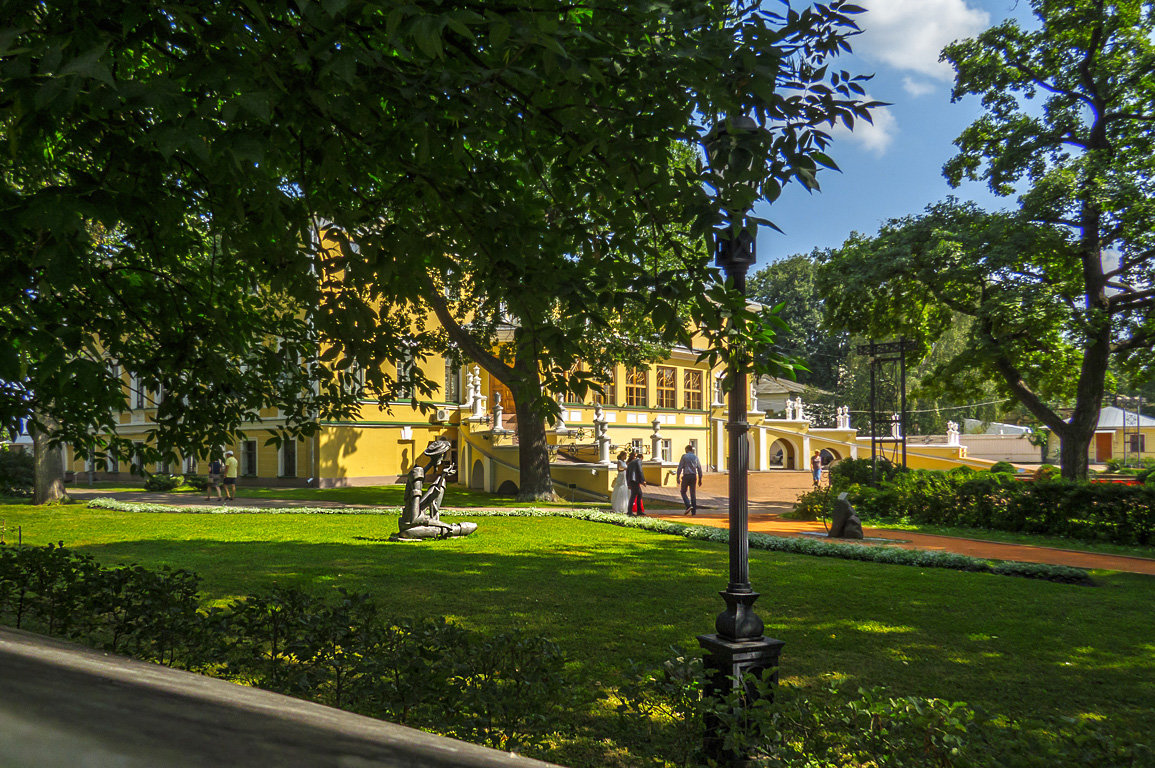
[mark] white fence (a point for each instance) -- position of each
(1014, 448)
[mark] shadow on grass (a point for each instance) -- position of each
(1014, 646)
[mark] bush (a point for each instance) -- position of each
(197, 482)
(1122, 514)
(783, 727)
(162, 482)
(500, 690)
(1003, 466)
(17, 473)
(859, 472)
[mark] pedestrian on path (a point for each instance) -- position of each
(230, 475)
(689, 478)
(816, 467)
(216, 475)
(620, 495)
(635, 479)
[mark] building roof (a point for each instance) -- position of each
(1111, 417)
(772, 385)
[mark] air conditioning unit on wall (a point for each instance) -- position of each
(441, 415)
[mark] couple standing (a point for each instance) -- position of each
(626, 498)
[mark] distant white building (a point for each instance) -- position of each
(772, 393)
(979, 427)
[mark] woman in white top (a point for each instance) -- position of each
(620, 496)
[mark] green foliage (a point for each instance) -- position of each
(502, 691)
(16, 473)
(1003, 466)
(162, 482)
(1116, 513)
(196, 482)
(860, 471)
(781, 726)
(791, 283)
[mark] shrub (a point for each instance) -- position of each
(496, 690)
(1122, 514)
(781, 726)
(162, 482)
(1003, 466)
(17, 473)
(196, 482)
(859, 472)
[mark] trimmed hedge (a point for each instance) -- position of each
(1122, 514)
(502, 691)
(792, 545)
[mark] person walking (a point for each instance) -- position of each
(689, 478)
(216, 474)
(816, 468)
(635, 479)
(620, 495)
(230, 476)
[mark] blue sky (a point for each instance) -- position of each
(894, 167)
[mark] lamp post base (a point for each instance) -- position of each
(727, 662)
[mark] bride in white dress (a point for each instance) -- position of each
(620, 497)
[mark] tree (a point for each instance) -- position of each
(521, 150)
(1063, 285)
(791, 283)
(1086, 162)
(540, 204)
(142, 234)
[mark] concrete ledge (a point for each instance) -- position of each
(63, 705)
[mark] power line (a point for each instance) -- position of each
(951, 407)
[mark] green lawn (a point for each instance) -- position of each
(606, 594)
(372, 496)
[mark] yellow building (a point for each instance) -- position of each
(659, 409)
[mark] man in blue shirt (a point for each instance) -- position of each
(689, 478)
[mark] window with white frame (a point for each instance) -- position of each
(249, 458)
(405, 368)
(452, 381)
(666, 383)
(692, 390)
(289, 458)
(609, 382)
(667, 450)
(637, 385)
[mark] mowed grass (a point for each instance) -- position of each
(607, 594)
(371, 496)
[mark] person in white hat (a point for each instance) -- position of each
(230, 476)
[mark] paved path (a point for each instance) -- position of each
(771, 494)
(63, 705)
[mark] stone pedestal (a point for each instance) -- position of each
(727, 661)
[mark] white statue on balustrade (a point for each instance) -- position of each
(789, 409)
(895, 426)
(952, 434)
(798, 412)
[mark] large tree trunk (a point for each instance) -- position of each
(533, 460)
(532, 446)
(48, 467)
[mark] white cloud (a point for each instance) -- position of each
(909, 34)
(917, 88)
(874, 137)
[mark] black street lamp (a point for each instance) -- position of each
(733, 147)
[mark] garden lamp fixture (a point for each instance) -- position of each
(735, 150)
